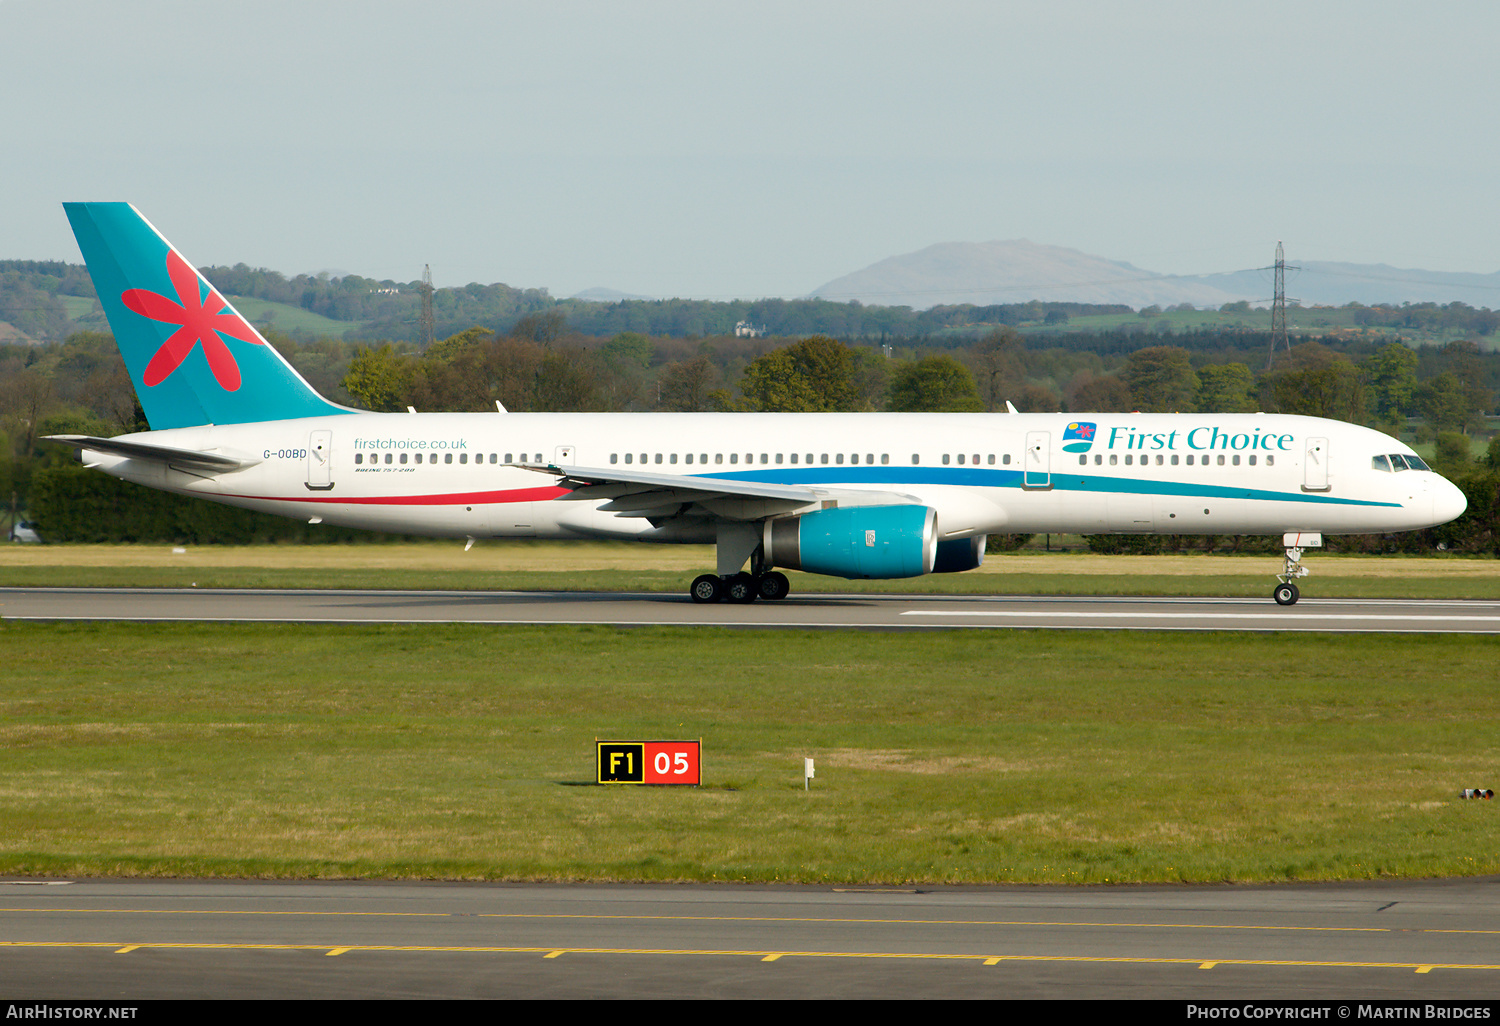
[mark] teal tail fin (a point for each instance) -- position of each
(193, 358)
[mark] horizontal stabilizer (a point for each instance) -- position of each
(185, 458)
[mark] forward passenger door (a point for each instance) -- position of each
(1036, 470)
(1315, 466)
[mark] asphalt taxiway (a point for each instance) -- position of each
(870, 612)
(236, 939)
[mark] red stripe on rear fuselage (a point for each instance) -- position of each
(543, 494)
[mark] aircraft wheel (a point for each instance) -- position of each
(773, 586)
(740, 588)
(1286, 594)
(707, 588)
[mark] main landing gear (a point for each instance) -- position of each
(1286, 593)
(741, 587)
(739, 542)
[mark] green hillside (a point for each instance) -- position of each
(85, 314)
(1323, 322)
(285, 317)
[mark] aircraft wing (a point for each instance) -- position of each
(639, 493)
(185, 459)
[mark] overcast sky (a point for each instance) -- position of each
(752, 149)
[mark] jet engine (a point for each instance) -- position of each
(874, 542)
(959, 554)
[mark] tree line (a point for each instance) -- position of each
(379, 310)
(543, 362)
(30, 292)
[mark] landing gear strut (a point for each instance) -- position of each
(1286, 593)
(737, 542)
(741, 587)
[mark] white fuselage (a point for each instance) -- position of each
(465, 474)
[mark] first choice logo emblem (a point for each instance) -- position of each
(1079, 437)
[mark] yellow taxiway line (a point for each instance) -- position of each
(552, 951)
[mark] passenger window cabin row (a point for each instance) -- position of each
(1164, 459)
(1386, 463)
(795, 459)
(492, 458)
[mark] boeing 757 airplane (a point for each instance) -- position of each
(853, 495)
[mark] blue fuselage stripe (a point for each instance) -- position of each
(1061, 481)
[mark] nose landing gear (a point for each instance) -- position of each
(1286, 593)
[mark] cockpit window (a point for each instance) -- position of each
(1398, 461)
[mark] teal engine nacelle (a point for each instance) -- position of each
(874, 542)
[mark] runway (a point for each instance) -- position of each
(129, 940)
(236, 939)
(868, 612)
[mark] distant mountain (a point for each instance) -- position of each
(602, 295)
(1328, 283)
(1015, 271)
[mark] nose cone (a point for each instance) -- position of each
(1448, 502)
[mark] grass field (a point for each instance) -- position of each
(285, 317)
(453, 751)
(81, 310)
(626, 566)
(262, 312)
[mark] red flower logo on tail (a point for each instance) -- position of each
(200, 324)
